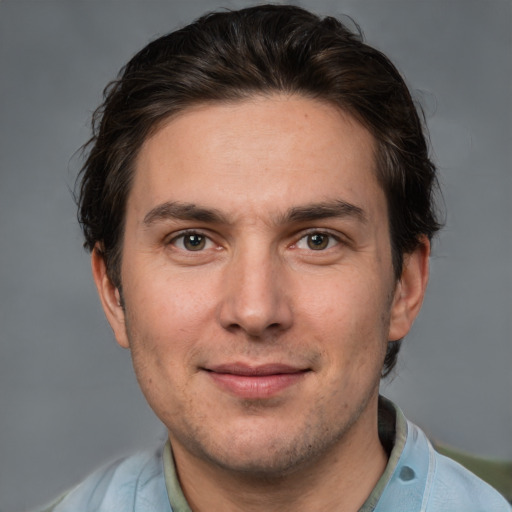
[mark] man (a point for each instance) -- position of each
(258, 201)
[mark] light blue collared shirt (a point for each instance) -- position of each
(416, 479)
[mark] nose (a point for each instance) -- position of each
(255, 298)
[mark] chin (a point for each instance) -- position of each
(267, 455)
(264, 465)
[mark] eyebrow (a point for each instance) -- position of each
(183, 211)
(310, 212)
(324, 210)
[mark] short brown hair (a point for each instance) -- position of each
(231, 55)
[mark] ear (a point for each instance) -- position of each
(109, 296)
(410, 291)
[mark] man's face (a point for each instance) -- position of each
(258, 282)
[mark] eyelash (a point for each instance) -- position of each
(182, 236)
(206, 240)
(332, 240)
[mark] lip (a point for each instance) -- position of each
(255, 382)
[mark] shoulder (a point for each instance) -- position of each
(426, 481)
(454, 486)
(135, 483)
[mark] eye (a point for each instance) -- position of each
(192, 241)
(317, 241)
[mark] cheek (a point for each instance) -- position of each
(162, 344)
(173, 304)
(164, 321)
(351, 321)
(347, 302)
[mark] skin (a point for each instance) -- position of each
(292, 273)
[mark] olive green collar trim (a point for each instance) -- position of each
(176, 496)
(392, 435)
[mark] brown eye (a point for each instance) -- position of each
(192, 247)
(318, 241)
(194, 242)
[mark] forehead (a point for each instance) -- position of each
(263, 153)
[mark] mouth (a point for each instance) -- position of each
(256, 382)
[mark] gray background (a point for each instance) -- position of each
(68, 400)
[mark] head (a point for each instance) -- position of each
(258, 51)
(234, 104)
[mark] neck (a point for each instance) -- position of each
(341, 479)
